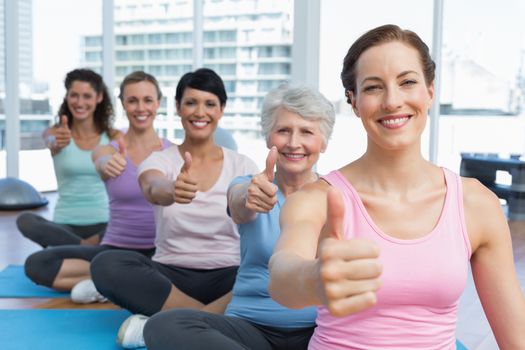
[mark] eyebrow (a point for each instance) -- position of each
(400, 75)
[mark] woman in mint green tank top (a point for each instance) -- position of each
(81, 212)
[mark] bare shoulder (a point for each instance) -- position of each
(311, 191)
(115, 134)
(478, 197)
(101, 151)
(311, 198)
(484, 216)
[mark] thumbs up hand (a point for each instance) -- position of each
(261, 195)
(185, 187)
(349, 270)
(62, 134)
(115, 164)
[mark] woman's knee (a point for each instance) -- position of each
(42, 267)
(25, 222)
(108, 267)
(171, 324)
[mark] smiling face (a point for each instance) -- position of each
(200, 112)
(82, 100)
(299, 142)
(392, 98)
(141, 103)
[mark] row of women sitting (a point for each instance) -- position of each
(384, 241)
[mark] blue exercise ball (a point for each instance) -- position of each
(16, 194)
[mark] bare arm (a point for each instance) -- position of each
(58, 136)
(257, 196)
(240, 214)
(157, 188)
(342, 275)
(160, 190)
(109, 162)
(293, 266)
(493, 265)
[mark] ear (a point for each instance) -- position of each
(177, 107)
(431, 94)
(100, 97)
(222, 111)
(352, 98)
(323, 148)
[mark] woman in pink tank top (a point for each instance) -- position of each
(382, 245)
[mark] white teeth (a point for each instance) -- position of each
(293, 155)
(141, 117)
(199, 124)
(394, 121)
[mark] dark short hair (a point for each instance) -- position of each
(203, 79)
(103, 116)
(380, 35)
(137, 77)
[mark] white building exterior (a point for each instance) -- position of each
(247, 42)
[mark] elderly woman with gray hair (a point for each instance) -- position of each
(297, 123)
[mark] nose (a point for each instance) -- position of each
(140, 105)
(200, 110)
(293, 140)
(392, 99)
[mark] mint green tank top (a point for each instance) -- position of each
(82, 197)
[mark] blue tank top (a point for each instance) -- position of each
(82, 198)
(251, 300)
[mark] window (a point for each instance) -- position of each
(229, 85)
(274, 68)
(129, 55)
(483, 75)
(219, 53)
(94, 56)
(155, 38)
(155, 54)
(137, 39)
(121, 40)
(93, 41)
(267, 85)
(49, 48)
(220, 36)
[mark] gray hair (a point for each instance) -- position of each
(307, 102)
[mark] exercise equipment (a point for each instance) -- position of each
(16, 194)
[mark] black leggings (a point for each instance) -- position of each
(198, 330)
(42, 267)
(142, 286)
(48, 233)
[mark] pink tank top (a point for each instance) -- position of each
(422, 281)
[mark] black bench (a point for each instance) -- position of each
(484, 167)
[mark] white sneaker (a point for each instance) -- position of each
(85, 292)
(130, 334)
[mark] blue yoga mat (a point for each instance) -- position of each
(460, 346)
(15, 284)
(43, 329)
